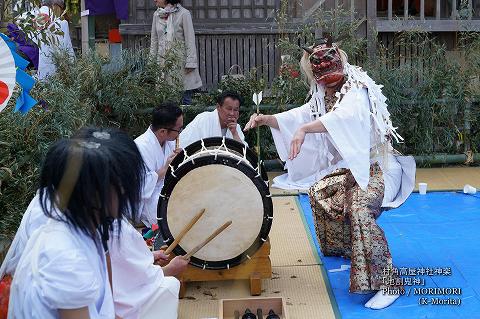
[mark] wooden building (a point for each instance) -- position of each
(245, 32)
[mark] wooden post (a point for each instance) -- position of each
(318, 30)
(2, 12)
(467, 127)
(88, 29)
(454, 10)
(437, 8)
(371, 28)
(352, 10)
(470, 9)
(422, 10)
(390, 9)
(255, 284)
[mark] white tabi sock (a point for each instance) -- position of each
(380, 300)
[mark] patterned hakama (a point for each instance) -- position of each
(345, 224)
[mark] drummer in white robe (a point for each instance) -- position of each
(141, 288)
(220, 122)
(157, 146)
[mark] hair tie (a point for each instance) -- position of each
(101, 135)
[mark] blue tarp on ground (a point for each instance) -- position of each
(434, 230)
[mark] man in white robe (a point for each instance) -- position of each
(157, 146)
(341, 143)
(220, 122)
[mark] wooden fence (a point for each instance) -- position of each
(228, 51)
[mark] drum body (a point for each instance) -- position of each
(221, 176)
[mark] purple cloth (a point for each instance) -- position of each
(101, 7)
(24, 45)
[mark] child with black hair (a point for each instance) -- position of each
(132, 263)
(142, 289)
(85, 185)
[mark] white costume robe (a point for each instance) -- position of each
(352, 131)
(206, 124)
(155, 156)
(46, 67)
(140, 289)
(138, 285)
(32, 220)
(60, 268)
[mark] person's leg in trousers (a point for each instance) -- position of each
(187, 97)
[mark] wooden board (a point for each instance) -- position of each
(257, 268)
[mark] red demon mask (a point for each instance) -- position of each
(326, 63)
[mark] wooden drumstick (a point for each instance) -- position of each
(184, 231)
(206, 241)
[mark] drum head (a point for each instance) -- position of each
(227, 190)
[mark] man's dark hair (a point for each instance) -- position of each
(165, 115)
(173, 2)
(231, 94)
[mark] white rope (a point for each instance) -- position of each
(378, 106)
(356, 77)
(171, 171)
(222, 150)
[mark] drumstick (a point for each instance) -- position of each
(184, 231)
(206, 241)
(177, 142)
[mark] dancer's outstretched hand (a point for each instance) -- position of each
(296, 144)
(255, 120)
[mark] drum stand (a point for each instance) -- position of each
(255, 269)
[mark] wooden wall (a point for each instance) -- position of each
(244, 32)
(229, 33)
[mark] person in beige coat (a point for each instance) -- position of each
(172, 22)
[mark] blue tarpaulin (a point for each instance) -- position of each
(437, 230)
